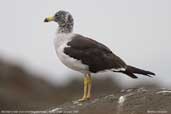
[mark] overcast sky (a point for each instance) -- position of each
(139, 31)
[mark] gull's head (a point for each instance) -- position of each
(63, 18)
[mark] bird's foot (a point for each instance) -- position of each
(88, 97)
(85, 98)
(82, 99)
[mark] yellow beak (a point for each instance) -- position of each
(49, 19)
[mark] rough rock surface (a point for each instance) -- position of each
(130, 101)
(24, 91)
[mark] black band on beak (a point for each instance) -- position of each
(49, 19)
(46, 20)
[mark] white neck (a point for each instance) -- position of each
(63, 38)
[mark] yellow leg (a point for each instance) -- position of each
(89, 86)
(84, 98)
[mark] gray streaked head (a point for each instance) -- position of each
(64, 20)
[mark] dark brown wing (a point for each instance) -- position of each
(94, 54)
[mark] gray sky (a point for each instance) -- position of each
(139, 31)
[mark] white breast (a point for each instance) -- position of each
(60, 43)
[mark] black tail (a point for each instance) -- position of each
(131, 70)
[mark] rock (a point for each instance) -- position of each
(21, 90)
(130, 101)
